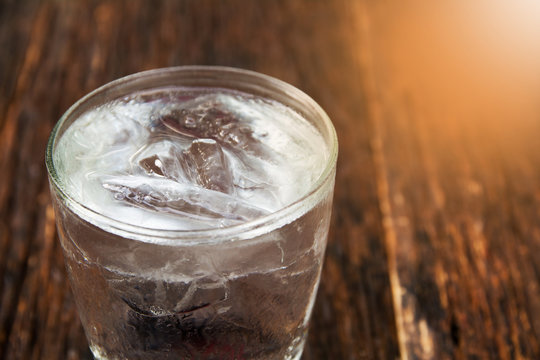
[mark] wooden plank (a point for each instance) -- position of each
(459, 177)
(18, 189)
(16, 19)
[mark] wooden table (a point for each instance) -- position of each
(434, 250)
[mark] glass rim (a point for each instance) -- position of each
(246, 230)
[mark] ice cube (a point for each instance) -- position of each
(153, 165)
(205, 164)
(162, 157)
(161, 194)
(207, 117)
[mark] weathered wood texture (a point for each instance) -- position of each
(455, 90)
(434, 249)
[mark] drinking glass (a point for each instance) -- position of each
(244, 291)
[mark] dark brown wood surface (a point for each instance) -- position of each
(434, 249)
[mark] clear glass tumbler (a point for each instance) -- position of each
(243, 291)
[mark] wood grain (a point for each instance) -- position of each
(434, 248)
(455, 141)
